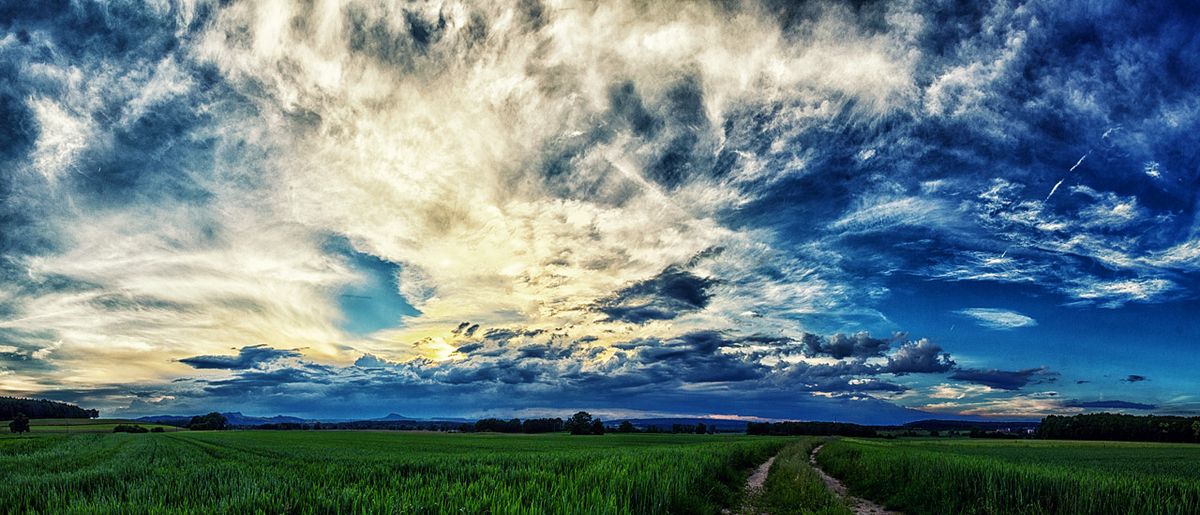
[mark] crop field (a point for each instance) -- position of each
(83, 425)
(1018, 477)
(375, 472)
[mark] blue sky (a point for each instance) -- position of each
(876, 213)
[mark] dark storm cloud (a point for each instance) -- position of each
(1002, 379)
(1134, 378)
(920, 357)
(839, 346)
(249, 382)
(499, 334)
(469, 348)
(728, 368)
(1109, 405)
(501, 371)
(841, 378)
(466, 329)
(663, 297)
(698, 357)
(248, 357)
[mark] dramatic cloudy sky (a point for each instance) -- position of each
(872, 212)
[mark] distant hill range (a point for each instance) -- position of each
(396, 420)
(240, 420)
(396, 417)
(232, 418)
(237, 419)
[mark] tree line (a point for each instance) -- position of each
(389, 425)
(211, 422)
(516, 425)
(42, 408)
(809, 429)
(1112, 426)
(581, 423)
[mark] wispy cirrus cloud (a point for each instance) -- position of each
(998, 319)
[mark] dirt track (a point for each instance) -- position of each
(858, 504)
(756, 480)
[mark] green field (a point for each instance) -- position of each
(1017, 477)
(84, 425)
(375, 472)
(411, 472)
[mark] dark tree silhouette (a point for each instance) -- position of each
(495, 425)
(125, 428)
(580, 423)
(542, 425)
(597, 427)
(211, 422)
(42, 408)
(701, 429)
(19, 424)
(626, 427)
(1112, 426)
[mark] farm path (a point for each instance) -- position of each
(859, 505)
(756, 480)
(754, 487)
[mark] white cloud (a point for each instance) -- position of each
(1152, 169)
(959, 391)
(998, 319)
(1034, 404)
(62, 135)
(1116, 293)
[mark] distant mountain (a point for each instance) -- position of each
(392, 416)
(238, 419)
(233, 418)
(170, 420)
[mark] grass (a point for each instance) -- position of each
(793, 487)
(1019, 477)
(83, 425)
(375, 472)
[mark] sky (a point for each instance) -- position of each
(852, 211)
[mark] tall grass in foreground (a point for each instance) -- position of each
(793, 487)
(992, 478)
(362, 472)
